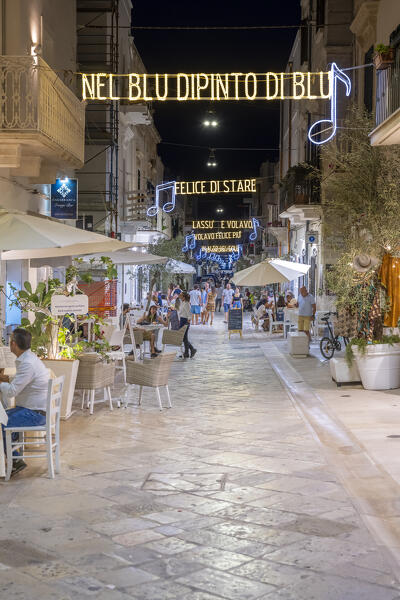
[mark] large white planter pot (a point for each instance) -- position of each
(68, 368)
(379, 367)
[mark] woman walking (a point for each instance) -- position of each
(185, 316)
(210, 306)
(237, 298)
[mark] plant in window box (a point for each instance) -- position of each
(383, 57)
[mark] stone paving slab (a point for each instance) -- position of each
(225, 496)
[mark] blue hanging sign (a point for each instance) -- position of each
(64, 199)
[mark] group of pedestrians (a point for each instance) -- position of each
(205, 300)
(203, 303)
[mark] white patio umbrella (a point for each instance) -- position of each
(27, 236)
(129, 257)
(270, 271)
(177, 266)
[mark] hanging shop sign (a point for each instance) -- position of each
(64, 305)
(224, 186)
(64, 199)
(184, 87)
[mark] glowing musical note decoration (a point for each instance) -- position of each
(168, 206)
(256, 224)
(190, 243)
(317, 129)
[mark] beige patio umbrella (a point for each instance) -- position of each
(270, 271)
(25, 236)
(129, 257)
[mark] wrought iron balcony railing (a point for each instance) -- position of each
(37, 108)
(387, 91)
(299, 189)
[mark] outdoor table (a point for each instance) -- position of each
(156, 327)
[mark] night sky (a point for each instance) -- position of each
(241, 124)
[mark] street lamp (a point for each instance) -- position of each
(210, 119)
(212, 161)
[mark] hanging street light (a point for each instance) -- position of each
(212, 161)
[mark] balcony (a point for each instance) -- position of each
(300, 195)
(42, 123)
(387, 112)
(135, 208)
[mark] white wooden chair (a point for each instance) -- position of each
(117, 340)
(51, 429)
(290, 321)
(272, 323)
(152, 373)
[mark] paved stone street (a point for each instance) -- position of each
(227, 495)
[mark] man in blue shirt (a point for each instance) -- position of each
(307, 307)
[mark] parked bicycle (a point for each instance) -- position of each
(329, 343)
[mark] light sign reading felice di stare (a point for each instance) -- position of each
(144, 87)
(225, 186)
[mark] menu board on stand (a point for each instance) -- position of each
(235, 321)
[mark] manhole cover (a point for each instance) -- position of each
(393, 436)
(185, 482)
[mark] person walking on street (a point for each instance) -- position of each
(185, 315)
(195, 303)
(307, 307)
(210, 306)
(218, 299)
(227, 295)
(204, 295)
(237, 298)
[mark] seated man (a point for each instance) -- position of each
(29, 387)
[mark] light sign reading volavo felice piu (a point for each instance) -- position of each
(146, 87)
(224, 186)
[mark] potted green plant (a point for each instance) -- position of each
(50, 338)
(383, 57)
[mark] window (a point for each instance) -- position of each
(304, 41)
(368, 81)
(320, 16)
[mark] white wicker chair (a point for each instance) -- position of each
(94, 373)
(152, 373)
(49, 429)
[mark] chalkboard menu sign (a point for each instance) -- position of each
(235, 320)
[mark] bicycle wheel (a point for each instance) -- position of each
(327, 347)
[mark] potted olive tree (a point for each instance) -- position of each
(360, 198)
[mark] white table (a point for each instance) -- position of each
(3, 421)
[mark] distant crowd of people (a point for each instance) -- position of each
(178, 307)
